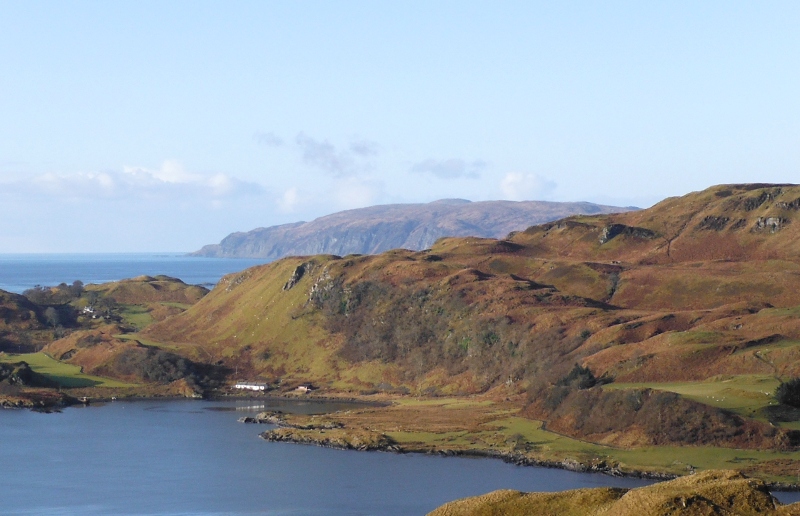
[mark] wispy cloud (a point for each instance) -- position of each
(450, 168)
(268, 139)
(324, 155)
(517, 186)
(353, 161)
(364, 148)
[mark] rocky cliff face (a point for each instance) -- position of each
(408, 226)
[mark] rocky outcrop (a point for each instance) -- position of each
(39, 400)
(298, 274)
(282, 420)
(361, 440)
(613, 230)
(771, 224)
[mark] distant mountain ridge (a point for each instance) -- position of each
(377, 229)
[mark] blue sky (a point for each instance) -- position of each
(155, 126)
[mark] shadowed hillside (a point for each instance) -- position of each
(407, 226)
(21, 323)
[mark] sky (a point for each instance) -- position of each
(139, 126)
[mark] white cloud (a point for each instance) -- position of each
(131, 209)
(289, 200)
(171, 181)
(171, 171)
(353, 192)
(517, 186)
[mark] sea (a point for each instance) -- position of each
(19, 272)
(156, 457)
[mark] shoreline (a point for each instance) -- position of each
(335, 436)
(516, 459)
(323, 438)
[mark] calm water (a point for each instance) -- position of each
(19, 272)
(193, 457)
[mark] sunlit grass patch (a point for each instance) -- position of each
(744, 394)
(680, 459)
(694, 337)
(66, 375)
(146, 342)
(445, 402)
(534, 434)
(428, 438)
(182, 306)
(137, 316)
(793, 311)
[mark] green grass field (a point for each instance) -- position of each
(504, 434)
(746, 395)
(66, 375)
(182, 306)
(137, 316)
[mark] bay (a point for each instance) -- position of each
(193, 457)
(19, 272)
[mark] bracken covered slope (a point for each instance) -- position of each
(698, 287)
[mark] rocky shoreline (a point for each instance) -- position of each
(39, 401)
(332, 434)
(323, 432)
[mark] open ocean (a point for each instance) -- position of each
(19, 272)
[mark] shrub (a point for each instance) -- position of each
(164, 367)
(788, 393)
(579, 377)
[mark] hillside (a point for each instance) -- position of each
(685, 317)
(22, 324)
(84, 328)
(408, 226)
(711, 492)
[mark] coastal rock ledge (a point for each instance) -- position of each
(361, 440)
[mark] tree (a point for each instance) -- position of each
(76, 289)
(788, 393)
(51, 316)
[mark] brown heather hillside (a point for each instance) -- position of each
(21, 327)
(697, 288)
(707, 493)
(99, 346)
(148, 289)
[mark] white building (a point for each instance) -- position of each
(251, 386)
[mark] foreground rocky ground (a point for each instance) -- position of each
(707, 493)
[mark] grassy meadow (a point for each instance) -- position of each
(65, 375)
